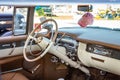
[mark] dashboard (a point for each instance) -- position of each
(93, 47)
(101, 36)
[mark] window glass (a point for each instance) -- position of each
(7, 28)
(105, 15)
(20, 21)
(6, 20)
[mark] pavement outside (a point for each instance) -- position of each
(70, 21)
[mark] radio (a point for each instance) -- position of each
(97, 49)
(104, 51)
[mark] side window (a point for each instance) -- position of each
(20, 21)
(6, 20)
(13, 20)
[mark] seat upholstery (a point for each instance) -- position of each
(14, 76)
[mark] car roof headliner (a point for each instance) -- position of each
(41, 2)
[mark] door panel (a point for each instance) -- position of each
(11, 63)
(11, 46)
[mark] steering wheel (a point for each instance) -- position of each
(42, 41)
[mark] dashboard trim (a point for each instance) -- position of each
(99, 43)
(100, 60)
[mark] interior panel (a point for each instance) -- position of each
(100, 62)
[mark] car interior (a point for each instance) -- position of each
(59, 40)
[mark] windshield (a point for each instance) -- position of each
(105, 15)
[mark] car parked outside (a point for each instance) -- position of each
(6, 23)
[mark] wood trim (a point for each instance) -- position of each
(10, 39)
(10, 59)
(99, 43)
(30, 19)
(97, 59)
